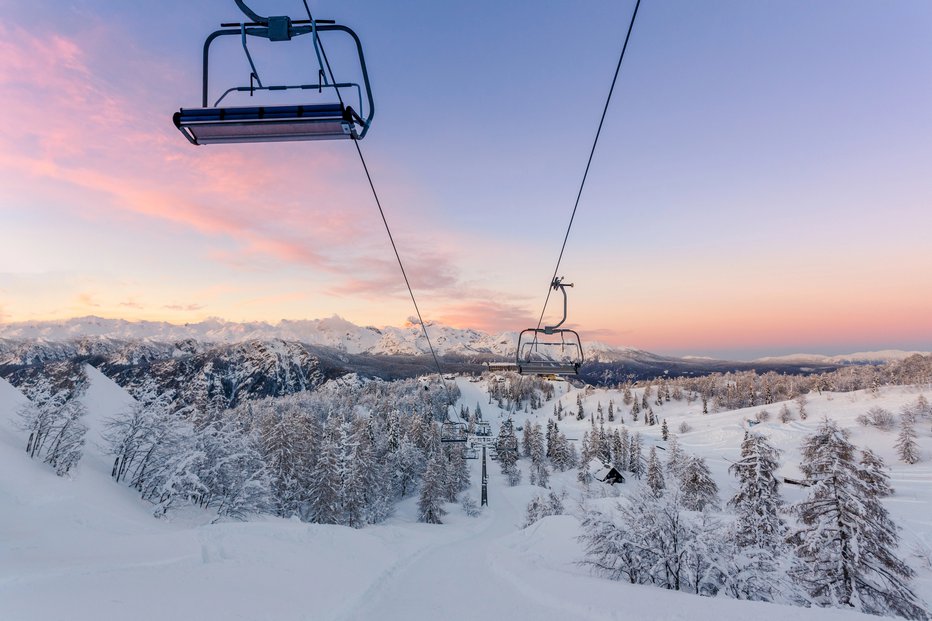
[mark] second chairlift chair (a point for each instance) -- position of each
(550, 350)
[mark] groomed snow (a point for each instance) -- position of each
(86, 548)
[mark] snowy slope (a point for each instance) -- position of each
(86, 548)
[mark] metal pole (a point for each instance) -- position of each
(485, 481)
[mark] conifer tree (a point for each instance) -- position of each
(676, 458)
(654, 472)
(758, 532)
(430, 504)
(636, 464)
(757, 502)
(873, 472)
(664, 430)
(620, 449)
(801, 403)
(699, 489)
(507, 450)
(324, 492)
(907, 449)
(846, 545)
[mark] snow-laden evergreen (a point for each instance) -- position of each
(846, 544)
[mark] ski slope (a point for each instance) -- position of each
(86, 548)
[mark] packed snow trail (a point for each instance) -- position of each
(456, 580)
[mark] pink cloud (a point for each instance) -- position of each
(72, 138)
(184, 307)
(487, 315)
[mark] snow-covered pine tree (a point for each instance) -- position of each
(801, 403)
(635, 457)
(676, 458)
(526, 432)
(654, 472)
(907, 449)
(759, 531)
(699, 489)
(540, 474)
(355, 465)
(620, 448)
(430, 504)
(846, 545)
(873, 472)
(407, 464)
(324, 494)
(507, 450)
(664, 430)
(757, 503)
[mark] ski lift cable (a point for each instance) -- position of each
(388, 230)
(589, 163)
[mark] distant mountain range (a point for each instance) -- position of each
(230, 361)
(341, 335)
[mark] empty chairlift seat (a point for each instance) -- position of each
(265, 123)
(551, 350)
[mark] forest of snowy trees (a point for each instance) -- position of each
(837, 547)
(349, 451)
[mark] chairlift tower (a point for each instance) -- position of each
(485, 481)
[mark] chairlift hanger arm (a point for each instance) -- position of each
(251, 14)
(558, 284)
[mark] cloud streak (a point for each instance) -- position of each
(105, 156)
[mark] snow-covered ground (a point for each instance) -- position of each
(87, 548)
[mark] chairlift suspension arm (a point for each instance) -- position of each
(251, 14)
(558, 284)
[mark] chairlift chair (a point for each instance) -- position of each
(483, 428)
(550, 350)
(277, 123)
(471, 452)
(453, 432)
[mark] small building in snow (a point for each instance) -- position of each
(606, 473)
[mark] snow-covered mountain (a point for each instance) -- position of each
(32, 340)
(863, 357)
(334, 332)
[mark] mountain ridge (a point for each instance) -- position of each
(341, 335)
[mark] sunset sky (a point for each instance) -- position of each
(763, 184)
